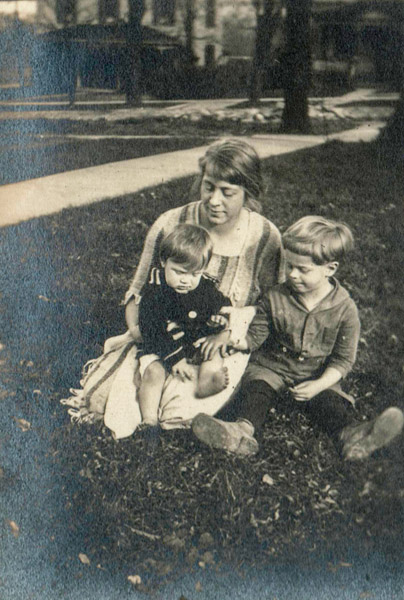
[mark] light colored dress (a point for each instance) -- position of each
(242, 278)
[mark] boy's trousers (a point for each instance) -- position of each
(328, 410)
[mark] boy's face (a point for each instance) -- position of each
(180, 278)
(305, 276)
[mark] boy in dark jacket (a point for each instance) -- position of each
(178, 307)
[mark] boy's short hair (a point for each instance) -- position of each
(187, 245)
(321, 239)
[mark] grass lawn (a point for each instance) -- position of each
(37, 148)
(180, 506)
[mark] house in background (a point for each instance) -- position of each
(363, 38)
(352, 40)
(210, 27)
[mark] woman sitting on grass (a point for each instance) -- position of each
(246, 261)
(304, 339)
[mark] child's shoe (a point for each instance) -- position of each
(360, 441)
(235, 437)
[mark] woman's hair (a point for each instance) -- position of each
(236, 162)
(187, 245)
(321, 239)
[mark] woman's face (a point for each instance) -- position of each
(222, 201)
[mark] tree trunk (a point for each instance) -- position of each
(297, 67)
(189, 18)
(255, 80)
(268, 19)
(133, 71)
(393, 134)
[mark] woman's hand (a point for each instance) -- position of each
(211, 344)
(183, 370)
(239, 321)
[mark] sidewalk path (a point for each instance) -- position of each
(46, 195)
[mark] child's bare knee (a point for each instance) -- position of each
(154, 372)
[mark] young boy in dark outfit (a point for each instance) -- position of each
(178, 307)
(303, 340)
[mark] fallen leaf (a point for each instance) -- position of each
(135, 579)
(367, 488)
(84, 559)
(14, 528)
(268, 479)
(393, 339)
(253, 520)
(43, 298)
(23, 424)
(198, 586)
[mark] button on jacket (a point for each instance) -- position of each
(160, 304)
(297, 344)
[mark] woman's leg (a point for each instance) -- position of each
(150, 391)
(179, 403)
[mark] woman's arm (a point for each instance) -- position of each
(132, 319)
(272, 265)
(239, 322)
(148, 259)
(260, 326)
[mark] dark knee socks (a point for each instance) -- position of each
(256, 399)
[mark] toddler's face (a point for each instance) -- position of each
(180, 278)
(304, 275)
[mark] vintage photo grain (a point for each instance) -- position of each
(201, 343)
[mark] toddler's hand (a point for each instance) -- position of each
(183, 370)
(218, 320)
(305, 391)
